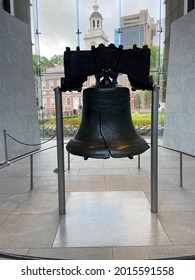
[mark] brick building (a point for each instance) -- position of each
(71, 101)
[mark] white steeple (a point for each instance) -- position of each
(95, 34)
(95, 18)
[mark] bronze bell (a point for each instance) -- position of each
(106, 129)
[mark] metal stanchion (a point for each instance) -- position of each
(138, 161)
(68, 161)
(31, 172)
(154, 150)
(5, 145)
(181, 170)
(60, 151)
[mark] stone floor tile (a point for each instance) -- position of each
(188, 181)
(86, 165)
(179, 226)
(45, 181)
(29, 231)
(109, 219)
(71, 172)
(164, 252)
(14, 185)
(167, 182)
(181, 200)
(127, 183)
(85, 183)
(141, 171)
(131, 253)
(43, 173)
(3, 217)
(10, 202)
(168, 171)
(104, 171)
(14, 171)
(37, 203)
(120, 164)
(96, 253)
(170, 164)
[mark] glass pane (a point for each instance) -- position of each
(89, 23)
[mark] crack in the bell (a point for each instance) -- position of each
(103, 138)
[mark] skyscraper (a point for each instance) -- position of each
(136, 29)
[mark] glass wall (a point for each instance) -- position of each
(56, 25)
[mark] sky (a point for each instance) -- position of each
(57, 20)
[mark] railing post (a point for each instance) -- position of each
(181, 170)
(154, 150)
(5, 145)
(68, 161)
(60, 151)
(31, 171)
(138, 161)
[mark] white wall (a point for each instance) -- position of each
(18, 113)
(179, 132)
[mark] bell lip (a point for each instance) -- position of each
(103, 152)
(86, 152)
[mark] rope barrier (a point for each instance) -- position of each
(41, 143)
(23, 257)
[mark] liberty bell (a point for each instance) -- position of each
(106, 128)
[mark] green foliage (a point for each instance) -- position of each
(45, 62)
(154, 54)
(140, 120)
(72, 121)
(142, 97)
(57, 60)
(37, 65)
(40, 64)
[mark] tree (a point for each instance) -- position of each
(154, 57)
(37, 65)
(40, 63)
(57, 60)
(147, 97)
(46, 63)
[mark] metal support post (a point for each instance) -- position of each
(138, 161)
(154, 150)
(31, 172)
(181, 170)
(5, 145)
(68, 161)
(60, 151)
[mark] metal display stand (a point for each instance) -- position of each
(60, 151)
(154, 151)
(181, 169)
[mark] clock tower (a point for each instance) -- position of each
(95, 34)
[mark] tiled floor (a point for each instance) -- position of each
(108, 208)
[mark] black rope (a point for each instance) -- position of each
(23, 257)
(190, 257)
(30, 144)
